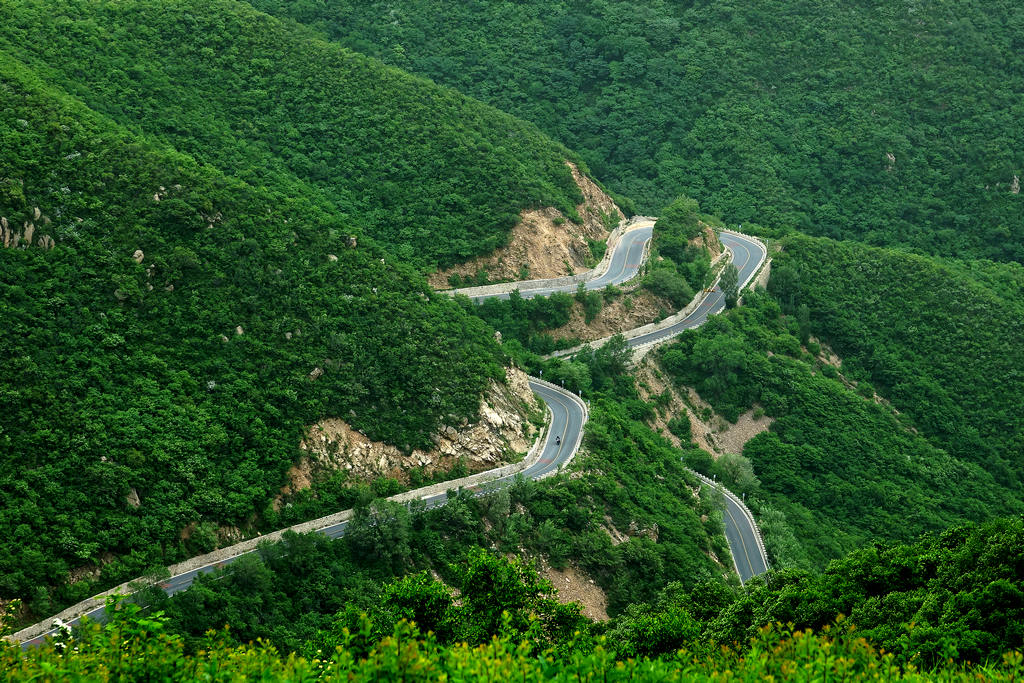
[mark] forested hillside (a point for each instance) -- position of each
(941, 340)
(894, 123)
(161, 321)
(216, 219)
(946, 608)
(211, 231)
(838, 469)
(432, 175)
(631, 525)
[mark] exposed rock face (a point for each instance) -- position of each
(502, 432)
(11, 237)
(133, 498)
(574, 585)
(544, 240)
(632, 309)
(708, 240)
(715, 435)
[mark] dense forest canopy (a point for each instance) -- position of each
(179, 299)
(837, 469)
(891, 122)
(942, 341)
(214, 222)
(432, 175)
(946, 608)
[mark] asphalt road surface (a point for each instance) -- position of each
(742, 544)
(626, 260)
(568, 415)
(567, 419)
(747, 256)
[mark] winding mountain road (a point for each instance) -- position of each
(624, 264)
(747, 255)
(568, 416)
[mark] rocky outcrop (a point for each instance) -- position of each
(11, 237)
(132, 499)
(707, 239)
(502, 433)
(545, 243)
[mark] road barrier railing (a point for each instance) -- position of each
(579, 435)
(746, 513)
(218, 557)
(671, 320)
(526, 285)
(222, 555)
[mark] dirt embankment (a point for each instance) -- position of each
(710, 431)
(634, 308)
(622, 313)
(502, 434)
(709, 240)
(575, 586)
(545, 243)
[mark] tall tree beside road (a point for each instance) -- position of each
(730, 285)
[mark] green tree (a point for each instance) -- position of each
(729, 284)
(379, 532)
(679, 218)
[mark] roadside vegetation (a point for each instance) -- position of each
(838, 468)
(948, 607)
(215, 221)
(679, 262)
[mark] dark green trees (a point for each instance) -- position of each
(730, 285)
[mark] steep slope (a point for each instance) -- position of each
(435, 177)
(895, 123)
(941, 340)
(169, 330)
(839, 467)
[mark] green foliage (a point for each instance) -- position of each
(134, 647)
(679, 257)
(667, 283)
(943, 346)
(592, 304)
(498, 597)
(296, 587)
(186, 377)
(957, 595)
(839, 470)
(729, 284)
(772, 111)
(680, 426)
(526, 320)
(633, 482)
(677, 221)
(433, 176)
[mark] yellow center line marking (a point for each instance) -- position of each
(742, 542)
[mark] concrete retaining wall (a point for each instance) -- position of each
(223, 554)
(507, 287)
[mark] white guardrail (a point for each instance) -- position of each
(218, 557)
(525, 285)
(579, 435)
(746, 513)
(222, 555)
